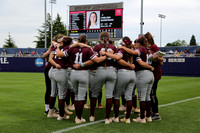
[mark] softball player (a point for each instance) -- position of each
(59, 76)
(125, 81)
(46, 73)
(80, 77)
(144, 79)
(47, 80)
(157, 75)
(105, 74)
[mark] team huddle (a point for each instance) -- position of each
(75, 66)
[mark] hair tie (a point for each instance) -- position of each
(103, 38)
(60, 40)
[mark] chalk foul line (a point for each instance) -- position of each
(99, 121)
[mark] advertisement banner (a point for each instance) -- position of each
(21, 64)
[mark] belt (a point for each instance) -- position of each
(124, 70)
(106, 67)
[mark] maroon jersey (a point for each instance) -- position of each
(93, 66)
(157, 69)
(68, 63)
(80, 55)
(61, 61)
(124, 55)
(108, 61)
(142, 55)
(48, 65)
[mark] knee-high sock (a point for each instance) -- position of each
(90, 94)
(67, 99)
(134, 101)
(116, 107)
(76, 107)
(100, 97)
(148, 108)
(61, 104)
(92, 105)
(128, 109)
(52, 101)
(80, 108)
(108, 107)
(142, 109)
(123, 99)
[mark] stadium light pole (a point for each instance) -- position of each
(141, 22)
(161, 17)
(45, 23)
(67, 20)
(52, 2)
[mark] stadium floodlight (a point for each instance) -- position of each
(52, 2)
(161, 17)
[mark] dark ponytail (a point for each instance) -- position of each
(105, 37)
(149, 38)
(142, 40)
(127, 41)
(67, 40)
(82, 38)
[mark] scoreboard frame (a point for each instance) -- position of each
(115, 29)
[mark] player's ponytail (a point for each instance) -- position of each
(149, 38)
(105, 37)
(105, 43)
(142, 40)
(67, 40)
(127, 42)
(82, 38)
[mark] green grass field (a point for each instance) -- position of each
(22, 108)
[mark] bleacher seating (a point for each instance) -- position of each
(189, 48)
(12, 52)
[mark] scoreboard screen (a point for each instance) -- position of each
(93, 22)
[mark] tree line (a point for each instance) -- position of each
(60, 27)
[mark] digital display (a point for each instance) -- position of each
(93, 22)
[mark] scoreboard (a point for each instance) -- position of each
(108, 17)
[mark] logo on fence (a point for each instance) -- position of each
(39, 62)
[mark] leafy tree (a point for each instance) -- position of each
(9, 43)
(41, 37)
(193, 41)
(58, 27)
(177, 43)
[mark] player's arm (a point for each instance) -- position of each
(124, 63)
(54, 43)
(53, 62)
(90, 62)
(99, 59)
(47, 52)
(59, 53)
(144, 64)
(80, 45)
(128, 50)
(111, 55)
(159, 58)
(114, 56)
(86, 63)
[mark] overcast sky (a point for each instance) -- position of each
(22, 18)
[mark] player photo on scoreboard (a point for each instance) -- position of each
(93, 20)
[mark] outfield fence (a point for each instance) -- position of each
(173, 66)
